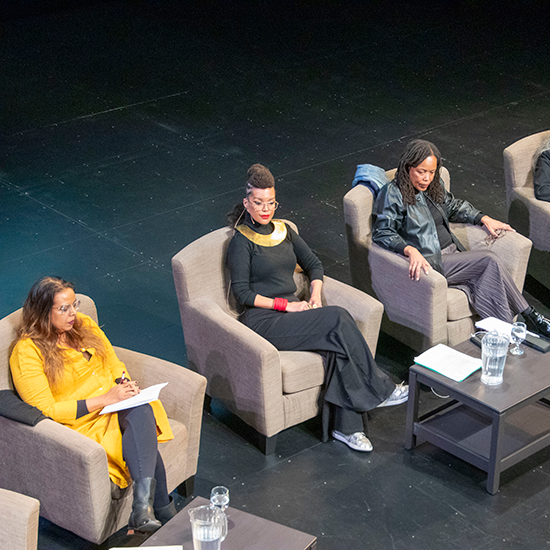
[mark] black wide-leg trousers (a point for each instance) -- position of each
(353, 381)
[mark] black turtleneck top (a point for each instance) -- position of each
(268, 270)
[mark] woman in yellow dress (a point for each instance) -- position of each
(63, 364)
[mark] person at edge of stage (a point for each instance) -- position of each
(541, 172)
(412, 215)
(63, 364)
(262, 257)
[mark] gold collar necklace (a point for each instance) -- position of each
(277, 236)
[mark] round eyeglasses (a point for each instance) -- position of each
(65, 307)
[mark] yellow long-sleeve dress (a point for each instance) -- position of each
(82, 379)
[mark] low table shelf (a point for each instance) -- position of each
(490, 427)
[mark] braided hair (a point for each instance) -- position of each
(415, 153)
(258, 177)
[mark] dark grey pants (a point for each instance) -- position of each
(487, 283)
(140, 451)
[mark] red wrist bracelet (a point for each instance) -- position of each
(279, 304)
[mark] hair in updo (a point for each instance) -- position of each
(258, 177)
(415, 153)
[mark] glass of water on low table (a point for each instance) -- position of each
(219, 497)
(518, 335)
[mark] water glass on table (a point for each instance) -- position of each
(219, 497)
(518, 335)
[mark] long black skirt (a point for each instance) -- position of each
(353, 380)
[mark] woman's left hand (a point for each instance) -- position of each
(315, 301)
(493, 225)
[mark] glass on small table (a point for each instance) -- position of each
(219, 497)
(518, 335)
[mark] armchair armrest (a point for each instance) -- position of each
(513, 249)
(18, 520)
(66, 471)
(533, 218)
(242, 368)
(420, 305)
(182, 398)
(366, 310)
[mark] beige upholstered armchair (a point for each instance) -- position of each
(426, 312)
(67, 472)
(269, 390)
(18, 521)
(526, 214)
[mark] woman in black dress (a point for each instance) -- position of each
(262, 258)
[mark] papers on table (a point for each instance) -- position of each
(492, 323)
(448, 362)
(157, 548)
(145, 396)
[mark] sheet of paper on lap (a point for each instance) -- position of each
(145, 396)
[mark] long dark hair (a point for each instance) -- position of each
(258, 177)
(36, 324)
(416, 152)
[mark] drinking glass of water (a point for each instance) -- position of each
(219, 497)
(519, 333)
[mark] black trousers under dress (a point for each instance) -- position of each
(140, 449)
(353, 382)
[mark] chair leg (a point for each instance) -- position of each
(186, 488)
(267, 444)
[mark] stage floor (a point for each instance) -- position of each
(126, 131)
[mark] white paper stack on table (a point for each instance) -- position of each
(447, 361)
(492, 323)
(144, 396)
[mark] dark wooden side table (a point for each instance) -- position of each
(491, 427)
(246, 532)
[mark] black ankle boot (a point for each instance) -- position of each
(166, 513)
(536, 322)
(142, 519)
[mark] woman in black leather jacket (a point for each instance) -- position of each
(412, 215)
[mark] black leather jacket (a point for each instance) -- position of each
(541, 177)
(397, 226)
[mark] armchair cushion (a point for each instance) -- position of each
(458, 306)
(14, 408)
(301, 370)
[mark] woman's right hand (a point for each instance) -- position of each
(293, 307)
(121, 391)
(417, 263)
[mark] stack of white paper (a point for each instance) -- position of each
(492, 323)
(448, 362)
(145, 396)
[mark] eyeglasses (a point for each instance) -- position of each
(259, 205)
(64, 308)
(490, 239)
